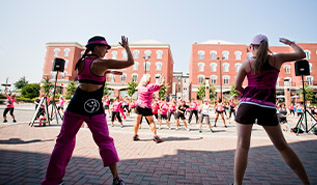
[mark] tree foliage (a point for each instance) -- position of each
(106, 91)
(22, 82)
(47, 86)
(202, 92)
(162, 92)
(71, 88)
(31, 91)
(309, 95)
(233, 91)
(132, 88)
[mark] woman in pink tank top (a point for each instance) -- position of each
(257, 104)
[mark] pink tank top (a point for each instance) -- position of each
(86, 76)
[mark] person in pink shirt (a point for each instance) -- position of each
(106, 104)
(60, 106)
(144, 104)
(155, 108)
(164, 107)
(193, 106)
(116, 106)
(219, 110)
(10, 106)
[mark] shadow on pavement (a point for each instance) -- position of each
(265, 166)
(15, 141)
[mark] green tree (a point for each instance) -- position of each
(132, 88)
(106, 91)
(21, 83)
(162, 92)
(31, 91)
(233, 91)
(71, 88)
(47, 86)
(309, 95)
(202, 92)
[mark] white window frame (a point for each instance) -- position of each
(238, 66)
(289, 79)
(66, 52)
(56, 52)
(147, 53)
(213, 55)
(114, 54)
(310, 82)
(147, 66)
(287, 69)
(249, 55)
(158, 66)
(123, 77)
(310, 66)
(201, 54)
(226, 77)
(225, 54)
(201, 69)
(136, 66)
(112, 78)
(213, 67)
(136, 77)
(136, 54)
(213, 79)
(238, 55)
(225, 67)
(307, 53)
(124, 54)
(159, 54)
(201, 77)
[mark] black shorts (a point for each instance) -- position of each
(248, 113)
(219, 112)
(180, 115)
(106, 107)
(163, 116)
(143, 111)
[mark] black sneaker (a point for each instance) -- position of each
(61, 183)
(136, 138)
(200, 130)
(157, 139)
(5, 121)
(117, 181)
(212, 131)
(14, 121)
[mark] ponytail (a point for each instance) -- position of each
(82, 58)
(261, 56)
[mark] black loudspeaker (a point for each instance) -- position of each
(58, 64)
(302, 68)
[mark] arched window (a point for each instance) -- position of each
(136, 66)
(66, 52)
(147, 66)
(201, 54)
(114, 54)
(159, 54)
(226, 67)
(66, 63)
(287, 69)
(201, 79)
(123, 77)
(226, 55)
(136, 53)
(147, 53)
(134, 77)
(309, 79)
(201, 67)
(287, 81)
(249, 55)
(56, 52)
(213, 67)
(307, 52)
(238, 55)
(64, 74)
(124, 54)
(53, 74)
(213, 79)
(310, 65)
(213, 55)
(226, 79)
(158, 66)
(238, 65)
(112, 78)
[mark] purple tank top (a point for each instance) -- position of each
(261, 88)
(87, 76)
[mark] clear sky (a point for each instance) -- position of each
(26, 26)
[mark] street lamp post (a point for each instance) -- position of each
(218, 58)
(146, 57)
(207, 88)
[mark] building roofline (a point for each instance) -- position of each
(64, 44)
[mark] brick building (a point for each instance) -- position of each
(180, 86)
(150, 57)
(209, 57)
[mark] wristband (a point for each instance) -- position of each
(291, 42)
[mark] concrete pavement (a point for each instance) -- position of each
(183, 158)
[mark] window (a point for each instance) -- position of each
(56, 52)
(226, 55)
(157, 78)
(159, 54)
(213, 79)
(307, 52)
(147, 53)
(309, 80)
(158, 66)
(123, 77)
(134, 77)
(64, 74)
(66, 52)
(179, 83)
(124, 54)
(310, 67)
(147, 66)
(66, 63)
(287, 81)
(249, 55)
(201, 67)
(213, 55)
(201, 79)
(238, 55)
(213, 67)
(112, 78)
(201, 55)
(225, 67)
(114, 54)
(226, 79)
(287, 69)
(136, 66)
(238, 65)
(136, 54)
(53, 74)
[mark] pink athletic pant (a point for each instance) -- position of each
(66, 140)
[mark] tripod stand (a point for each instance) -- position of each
(38, 112)
(304, 115)
(54, 112)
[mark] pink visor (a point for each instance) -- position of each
(104, 42)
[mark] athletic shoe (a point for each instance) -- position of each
(5, 121)
(61, 183)
(188, 129)
(136, 138)
(200, 130)
(215, 125)
(176, 129)
(225, 126)
(121, 126)
(112, 125)
(14, 121)
(117, 181)
(212, 131)
(169, 128)
(157, 139)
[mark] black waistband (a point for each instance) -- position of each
(90, 81)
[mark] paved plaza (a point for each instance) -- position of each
(183, 158)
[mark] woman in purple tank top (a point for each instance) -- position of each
(86, 106)
(257, 104)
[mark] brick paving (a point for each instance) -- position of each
(183, 158)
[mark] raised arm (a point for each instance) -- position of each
(162, 82)
(240, 77)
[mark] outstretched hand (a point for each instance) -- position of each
(285, 41)
(124, 42)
